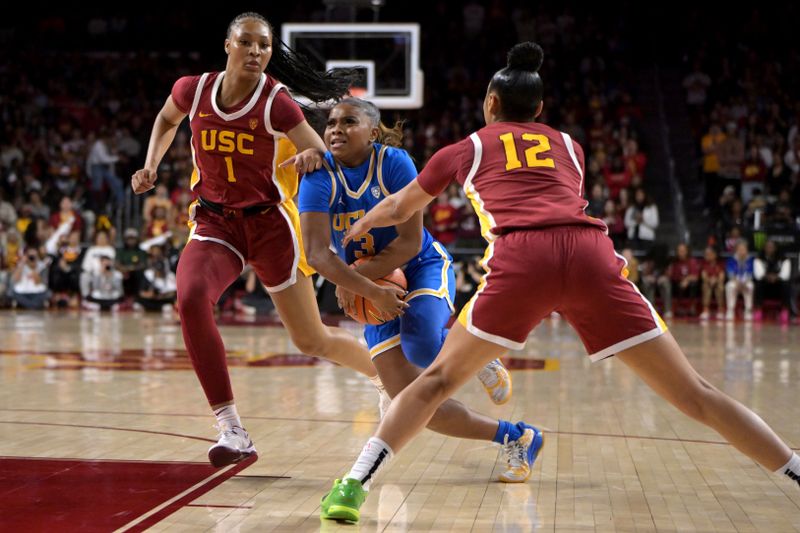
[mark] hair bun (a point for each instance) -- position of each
(525, 56)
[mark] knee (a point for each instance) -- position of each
(421, 350)
(698, 400)
(193, 295)
(311, 344)
(437, 385)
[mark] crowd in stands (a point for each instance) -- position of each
(745, 118)
(740, 285)
(69, 142)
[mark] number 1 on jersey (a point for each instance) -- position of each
(229, 164)
(531, 154)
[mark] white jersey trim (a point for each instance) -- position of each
(471, 327)
(485, 217)
(653, 313)
(384, 346)
(296, 245)
(197, 94)
(243, 111)
(626, 344)
(574, 156)
(194, 236)
(275, 134)
(268, 111)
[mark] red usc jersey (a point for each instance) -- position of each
(236, 151)
(517, 175)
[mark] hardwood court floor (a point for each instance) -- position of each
(103, 426)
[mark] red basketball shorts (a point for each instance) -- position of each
(572, 270)
(270, 242)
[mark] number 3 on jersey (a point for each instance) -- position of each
(532, 159)
(367, 246)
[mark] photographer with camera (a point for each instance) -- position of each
(104, 290)
(158, 285)
(29, 282)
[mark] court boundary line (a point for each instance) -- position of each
(314, 420)
(112, 428)
(160, 512)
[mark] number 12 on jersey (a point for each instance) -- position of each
(532, 159)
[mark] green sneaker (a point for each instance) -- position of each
(343, 501)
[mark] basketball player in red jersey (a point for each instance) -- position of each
(525, 181)
(247, 134)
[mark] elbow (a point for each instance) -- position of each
(318, 261)
(313, 260)
(398, 213)
(168, 124)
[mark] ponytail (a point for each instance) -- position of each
(391, 136)
(519, 85)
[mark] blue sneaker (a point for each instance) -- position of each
(521, 454)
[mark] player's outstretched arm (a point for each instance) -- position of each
(310, 149)
(392, 210)
(164, 128)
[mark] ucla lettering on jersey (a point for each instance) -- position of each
(347, 194)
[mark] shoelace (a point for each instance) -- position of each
(230, 432)
(488, 375)
(515, 452)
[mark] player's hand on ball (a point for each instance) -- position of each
(345, 299)
(143, 180)
(389, 301)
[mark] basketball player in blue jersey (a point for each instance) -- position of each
(358, 172)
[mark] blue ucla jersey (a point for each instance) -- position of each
(347, 194)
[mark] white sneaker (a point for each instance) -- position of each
(496, 381)
(748, 316)
(234, 445)
(720, 315)
(705, 315)
(384, 401)
(729, 315)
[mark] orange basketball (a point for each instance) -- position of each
(364, 311)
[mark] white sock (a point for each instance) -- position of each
(791, 468)
(375, 454)
(376, 380)
(227, 417)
